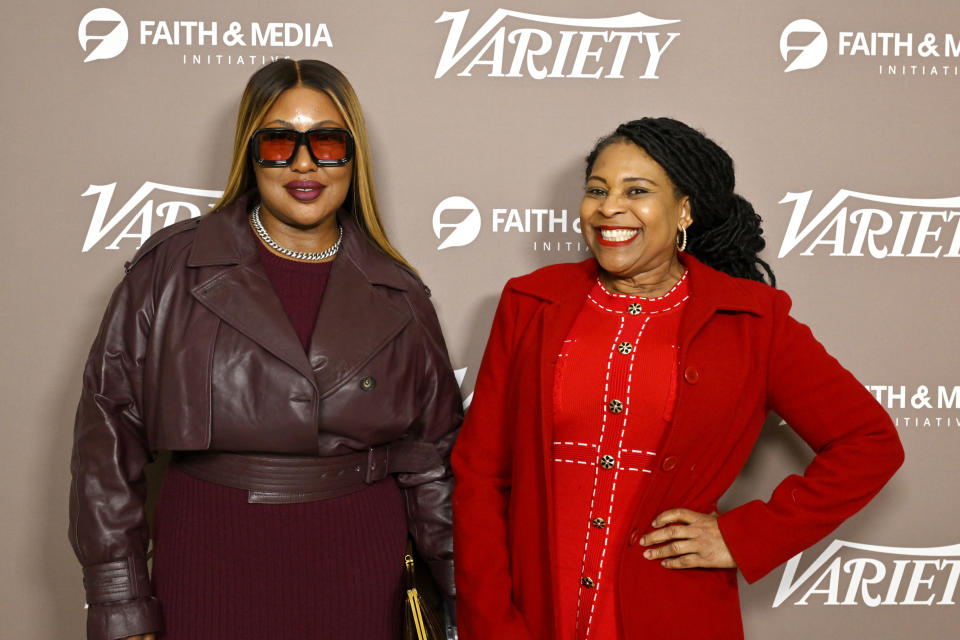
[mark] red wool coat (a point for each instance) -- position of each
(740, 356)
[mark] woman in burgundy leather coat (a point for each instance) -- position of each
(292, 361)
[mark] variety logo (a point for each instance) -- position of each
(110, 43)
(553, 47)
(812, 52)
(463, 216)
(151, 204)
(201, 36)
(888, 576)
(897, 53)
(854, 224)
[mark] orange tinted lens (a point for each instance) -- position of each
(328, 145)
(277, 147)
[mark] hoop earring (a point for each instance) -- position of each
(682, 245)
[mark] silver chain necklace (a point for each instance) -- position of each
(290, 253)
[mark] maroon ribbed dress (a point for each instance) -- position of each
(224, 568)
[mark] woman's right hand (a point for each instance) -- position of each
(699, 544)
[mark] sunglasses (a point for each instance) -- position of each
(278, 147)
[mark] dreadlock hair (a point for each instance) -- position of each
(726, 232)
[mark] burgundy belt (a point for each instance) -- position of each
(283, 479)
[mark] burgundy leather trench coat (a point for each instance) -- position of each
(195, 352)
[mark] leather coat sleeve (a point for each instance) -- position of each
(483, 464)
(428, 495)
(108, 528)
(856, 445)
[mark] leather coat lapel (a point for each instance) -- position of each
(356, 318)
(239, 291)
(354, 323)
(243, 297)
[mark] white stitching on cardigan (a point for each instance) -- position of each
(649, 313)
(589, 463)
(616, 473)
(629, 297)
(596, 473)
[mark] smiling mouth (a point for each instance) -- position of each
(616, 236)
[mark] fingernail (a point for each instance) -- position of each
(648, 554)
(643, 540)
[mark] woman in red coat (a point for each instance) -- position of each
(619, 398)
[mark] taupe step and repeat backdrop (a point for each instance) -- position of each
(842, 118)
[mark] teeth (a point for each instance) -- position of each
(617, 235)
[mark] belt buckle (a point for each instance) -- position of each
(376, 464)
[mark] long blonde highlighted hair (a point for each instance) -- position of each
(263, 89)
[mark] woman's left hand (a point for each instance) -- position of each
(692, 540)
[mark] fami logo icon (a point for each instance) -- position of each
(110, 43)
(812, 53)
(465, 230)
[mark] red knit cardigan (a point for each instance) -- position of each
(740, 356)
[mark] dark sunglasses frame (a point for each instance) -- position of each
(301, 140)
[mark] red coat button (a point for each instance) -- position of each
(669, 463)
(691, 375)
(635, 536)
